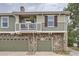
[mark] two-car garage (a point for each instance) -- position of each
(25, 43)
(21, 44)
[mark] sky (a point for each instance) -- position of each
(10, 7)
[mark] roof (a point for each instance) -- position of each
(38, 13)
(6, 14)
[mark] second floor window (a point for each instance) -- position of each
(50, 21)
(4, 21)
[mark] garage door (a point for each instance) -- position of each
(44, 45)
(17, 44)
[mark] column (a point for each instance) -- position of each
(17, 23)
(65, 41)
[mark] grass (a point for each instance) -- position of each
(75, 48)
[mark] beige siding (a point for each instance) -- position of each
(61, 18)
(11, 24)
(62, 23)
(40, 18)
(17, 19)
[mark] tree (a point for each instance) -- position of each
(72, 34)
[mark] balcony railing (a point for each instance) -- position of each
(28, 26)
(40, 27)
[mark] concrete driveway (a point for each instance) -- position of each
(25, 53)
(8, 53)
(73, 52)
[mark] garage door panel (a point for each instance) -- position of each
(13, 45)
(44, 45)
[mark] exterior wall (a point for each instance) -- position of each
(61, 18)
(11, 24)
(62, 24)
(17, 27)
(40, 18)
(60, 27)
(58, 42)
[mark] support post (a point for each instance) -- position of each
(65, 42)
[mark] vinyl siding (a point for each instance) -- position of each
(11, 24)
(17, 27)
(61, 23)
(40, 18)
(60, 27)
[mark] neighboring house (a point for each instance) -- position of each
(33, 31)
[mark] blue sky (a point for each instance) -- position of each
(9, 7)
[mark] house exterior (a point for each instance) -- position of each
(34, 31)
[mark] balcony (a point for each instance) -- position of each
(29, 26)
(26, 27)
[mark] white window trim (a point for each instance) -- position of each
(50, 26)
(2, 21)
(53, 24)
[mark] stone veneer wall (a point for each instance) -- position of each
(58, 42)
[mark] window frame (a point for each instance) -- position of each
(52, 19)
(2, 21)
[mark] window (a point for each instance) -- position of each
(7, 39)
(4, 22)
(50, 21)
